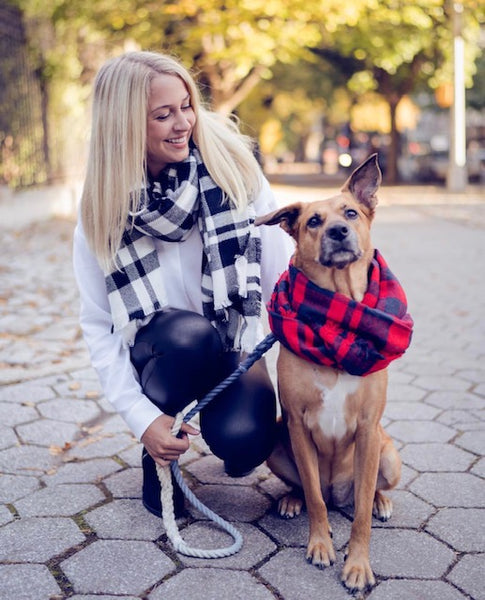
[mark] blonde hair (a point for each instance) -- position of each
(116, 167)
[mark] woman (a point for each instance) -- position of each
(170, 267)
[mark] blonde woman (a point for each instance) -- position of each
(170, 267)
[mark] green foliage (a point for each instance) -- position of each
(262, 58)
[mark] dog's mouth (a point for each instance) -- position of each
(339, 259)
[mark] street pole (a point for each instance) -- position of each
(457, 174)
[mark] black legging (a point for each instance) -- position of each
(179, 358)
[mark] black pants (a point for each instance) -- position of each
(179, 358)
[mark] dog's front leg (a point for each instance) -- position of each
(357, 573)
(320, 551)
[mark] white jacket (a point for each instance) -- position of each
(180, 264)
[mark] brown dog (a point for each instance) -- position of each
(336, 450)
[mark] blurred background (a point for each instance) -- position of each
(319, 84)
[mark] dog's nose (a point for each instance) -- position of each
(338, 232)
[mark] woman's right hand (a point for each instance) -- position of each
(161, 445)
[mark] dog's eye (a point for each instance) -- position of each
(314, 221)
(351, 214)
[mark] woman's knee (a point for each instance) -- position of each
(239, 425)
(176, 356)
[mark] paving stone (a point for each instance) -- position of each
(206, 584)
(436, 457)
(28, 460)
(468, 575)
(125, 484)
(407, 476)
(47, 433)
(101, 445)
(405, 393)
(89, 471)
(7, 438)
(125, 520)
(461, 528)
(103, 597)
(81, 390)
(408, 511)
(232, 502)
(37, 540)
(5, 515)
(13, 487)
(294, 532)
(420, 431)
(114, 424)
(398, 377)
(402, 411)
(457, 418)
(479, 468)
(117, 567)
(12, 414)
(473, 375)
(425, 367)
(441, 382)
(480, 389)
(71, 411)
(106, 406)
(474, 441)
(27, 582)
(408, 554)
(274, 487)
(28, 392)
(132, 455)
(418, 589)
(450, 489)
(455, 400)
(207, 536)
(290, 574)
(210, 469)
(59, 500)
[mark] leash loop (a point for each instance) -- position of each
(165, 473)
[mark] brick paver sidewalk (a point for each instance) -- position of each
(71, 521)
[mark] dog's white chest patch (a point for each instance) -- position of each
(332, 414)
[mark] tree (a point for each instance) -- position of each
(397, 46)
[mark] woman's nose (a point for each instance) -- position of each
(182, 122)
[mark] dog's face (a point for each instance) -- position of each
(333, 233)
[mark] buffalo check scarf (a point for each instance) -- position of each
(331, 329)
(185, 195)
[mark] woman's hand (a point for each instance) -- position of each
(161, 445)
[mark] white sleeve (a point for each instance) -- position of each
(109, 356)
(276, 245)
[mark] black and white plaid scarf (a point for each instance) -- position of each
(182, 196)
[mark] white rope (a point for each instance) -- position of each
(168, 515)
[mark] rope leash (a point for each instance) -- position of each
(165, 477)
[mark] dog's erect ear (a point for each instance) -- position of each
(286, 217)
(364, 182)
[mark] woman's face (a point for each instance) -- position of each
(170, 121)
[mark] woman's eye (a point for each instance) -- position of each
(314, 221)
(350, 213)
(162, 117)
(187, 107)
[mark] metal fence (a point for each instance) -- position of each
(24, 155)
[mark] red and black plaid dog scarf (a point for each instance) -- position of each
(331, 329)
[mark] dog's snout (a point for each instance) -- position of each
(338, 232)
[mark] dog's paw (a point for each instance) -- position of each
(321, 553)
(357, 575)
(290, 506)
(382, 508)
